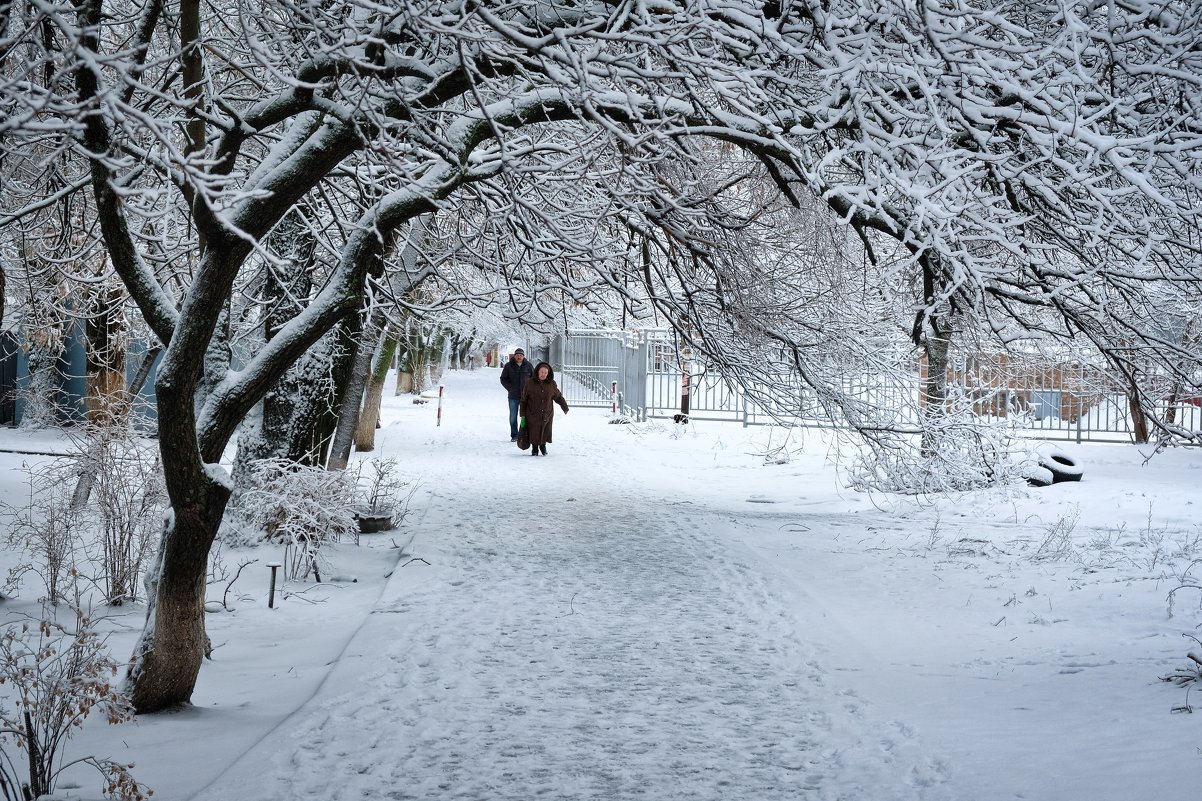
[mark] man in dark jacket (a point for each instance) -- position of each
(514, 375)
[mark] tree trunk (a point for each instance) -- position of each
(369, 417)
(933, 334)
(440, 357)
(318, 437)
(104, 380)
(411, 375)
(314, 392)
(1139, 422)
(348, 413)
(934, 392)
(173, 645)
(464, 352)
(168, 657)
(287, 282)
(421, 373)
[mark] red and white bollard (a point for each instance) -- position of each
(439, 423)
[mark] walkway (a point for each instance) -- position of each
(582, 631)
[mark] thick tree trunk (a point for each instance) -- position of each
(287, 281)
(314, 393)
(464, 352)
(369, 417)
(317, 417)
(173, 645)
(168, 657)
(421, 373)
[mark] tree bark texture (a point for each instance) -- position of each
(1139, 422)
(168, 657)
(314, 392)
(357, 379)
(369, 417)
(285, 282)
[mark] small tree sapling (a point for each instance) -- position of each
(384, 496)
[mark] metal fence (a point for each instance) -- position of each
(644, 375)
(602, 368)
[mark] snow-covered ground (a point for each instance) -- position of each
(653, 613)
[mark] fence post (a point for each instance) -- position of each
(613, 396)
(683, 417)
(1079, 415)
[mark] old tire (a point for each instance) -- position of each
(1039, 477)
(1062, 467)
(372, 523)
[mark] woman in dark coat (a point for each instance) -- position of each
(539, 397)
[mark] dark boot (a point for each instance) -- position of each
(543, 448)
(534, 450)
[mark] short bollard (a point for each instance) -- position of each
(271, 595)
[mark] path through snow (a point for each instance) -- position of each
(578, 633)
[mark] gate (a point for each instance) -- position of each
(601, 369)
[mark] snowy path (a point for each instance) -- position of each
(576, 636)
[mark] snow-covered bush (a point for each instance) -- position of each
(95, 514)
(128, 497)
(960, 454)
(382, 490)
(54, 677)
(46, 530)
(303, 507)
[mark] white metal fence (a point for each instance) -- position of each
(642, 375)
